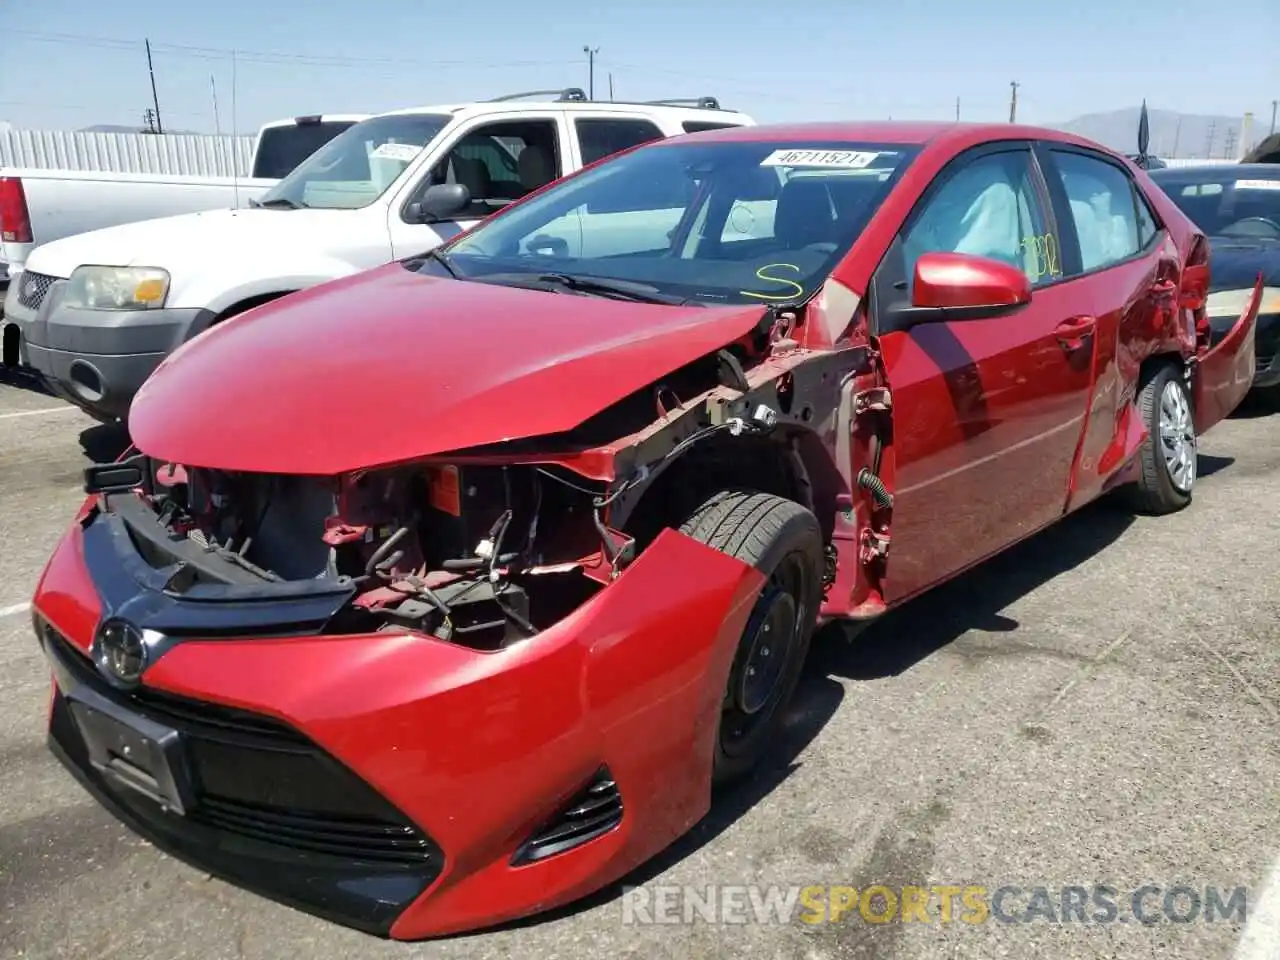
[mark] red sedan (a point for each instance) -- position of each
(442, 594)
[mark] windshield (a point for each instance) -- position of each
(717, 222)
(357, 166)
(282, 148)
(1226, 202)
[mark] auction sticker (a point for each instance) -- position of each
(404, 152)
(838, 159)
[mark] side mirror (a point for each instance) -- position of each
(440, 201)
(957, 286)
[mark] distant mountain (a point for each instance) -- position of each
(1173, 134)
(121, 128)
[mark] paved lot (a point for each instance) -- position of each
(1099, 707)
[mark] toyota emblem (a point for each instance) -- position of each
(121, 654)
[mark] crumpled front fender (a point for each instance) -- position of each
(479, 749)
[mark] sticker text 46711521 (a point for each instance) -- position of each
(832, 159)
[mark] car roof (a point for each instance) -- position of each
(902, 132)
(593, 106)
(316, 118)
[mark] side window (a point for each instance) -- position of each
(1101, 198)
(599, 138)
(1147, 228)
(698, 126)
(988, 208)
(501, 162)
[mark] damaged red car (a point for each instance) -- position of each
(442, 595)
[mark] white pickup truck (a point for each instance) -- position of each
(39, 206)
(98, 312)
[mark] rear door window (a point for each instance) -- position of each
(1102, 200)
(601, 137)
(281, 149)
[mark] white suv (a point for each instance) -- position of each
(99, 311)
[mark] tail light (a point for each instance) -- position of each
(1195, 290)
(15, 219)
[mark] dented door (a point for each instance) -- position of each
(1225, 372)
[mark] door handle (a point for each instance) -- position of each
(1073, 333)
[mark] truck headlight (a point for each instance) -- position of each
(117, 288)
(1225, 306)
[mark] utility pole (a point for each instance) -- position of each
(1177, 133)
(1013, 100)
(1273, 117)
(149, 118)
(1231, 142)
(591, 71)
(957, 109)
(155, 99)
(1208, 146)
(611, 87)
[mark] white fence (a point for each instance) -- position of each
(194, 155)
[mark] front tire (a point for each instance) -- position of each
(1167, 458)
(782, 540)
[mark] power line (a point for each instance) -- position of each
(264, 56)
(81, 108)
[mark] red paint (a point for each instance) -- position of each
(511, 733)
(1226, 372)
(440, 365)
(1000, 427)
(955, 280)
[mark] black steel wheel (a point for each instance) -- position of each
(782, 540)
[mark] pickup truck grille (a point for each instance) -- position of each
(33, 288)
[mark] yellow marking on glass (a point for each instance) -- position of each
(760, 274)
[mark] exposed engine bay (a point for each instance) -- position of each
(483, 556)
(478, 551)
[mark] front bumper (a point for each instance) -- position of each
(97, 359)
(464, 756)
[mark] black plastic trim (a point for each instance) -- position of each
(219, 599)
(592, 812)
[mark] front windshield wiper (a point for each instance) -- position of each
(442, 258)
(591, 286)
(277, 203)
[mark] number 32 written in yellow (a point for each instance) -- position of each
(1045, 251)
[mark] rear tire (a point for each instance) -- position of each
(782, 540)
(1167, 458)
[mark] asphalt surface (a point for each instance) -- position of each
(1098, 707)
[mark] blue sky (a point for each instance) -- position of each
(70, 63)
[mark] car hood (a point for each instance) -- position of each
(189, 239)
(1235, 263)
(390, 365)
